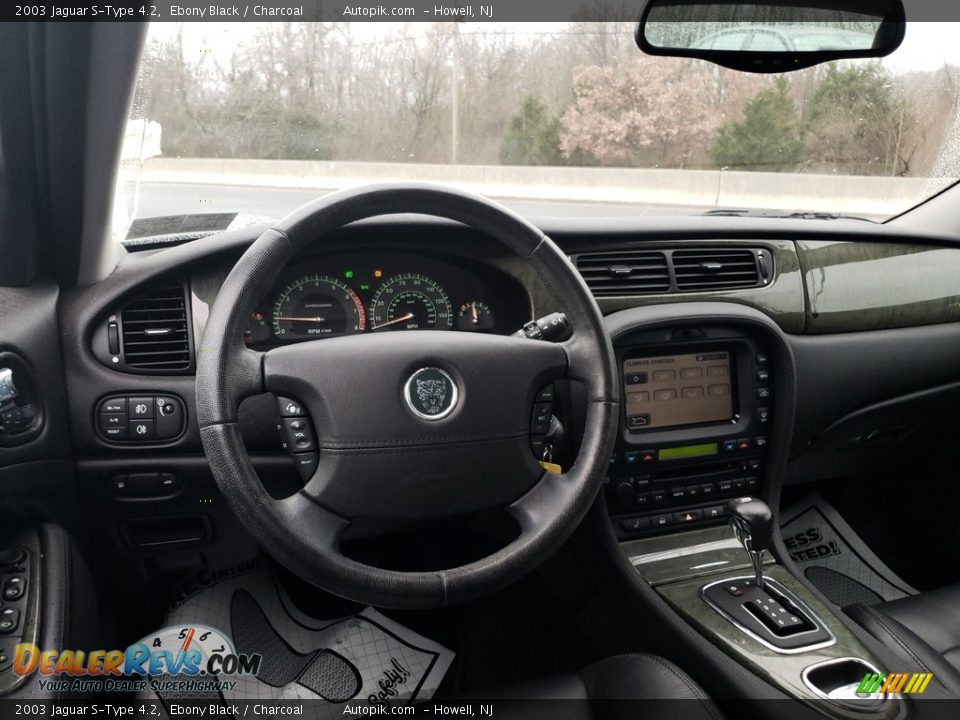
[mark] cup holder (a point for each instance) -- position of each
(837, 681)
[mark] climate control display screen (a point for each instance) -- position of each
(678, 390)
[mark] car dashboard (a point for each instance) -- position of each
(686, 442)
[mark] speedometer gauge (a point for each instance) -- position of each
(317, 306)
(411, 302)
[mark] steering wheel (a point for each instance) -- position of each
(385, 451)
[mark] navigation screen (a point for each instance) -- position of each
(677, 390)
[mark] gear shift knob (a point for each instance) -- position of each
(752, 524)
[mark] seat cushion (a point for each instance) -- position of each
(622, 677)
(924, 628)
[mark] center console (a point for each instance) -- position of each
(707, 404)
(697, 406)
(780, 632)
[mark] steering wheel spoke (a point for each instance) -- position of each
(324, 528)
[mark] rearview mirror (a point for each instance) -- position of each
(771, 35)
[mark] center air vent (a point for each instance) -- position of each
(715, 269)
(628, 272)
(674, 270)
(155, 332)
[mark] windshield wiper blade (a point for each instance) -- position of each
(803, 215)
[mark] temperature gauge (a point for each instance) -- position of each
(475, 315)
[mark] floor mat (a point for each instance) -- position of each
(834, 558)
(364, 658)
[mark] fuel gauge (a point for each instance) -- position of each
(475, 315)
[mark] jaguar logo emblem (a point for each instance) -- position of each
(430, 393)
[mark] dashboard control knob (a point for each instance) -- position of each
(624, 492)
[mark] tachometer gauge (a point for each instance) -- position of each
(317, 306)
(475, 315)
(410, 302)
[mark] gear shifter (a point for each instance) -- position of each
(752, 524)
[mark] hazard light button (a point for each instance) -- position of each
(687, 516)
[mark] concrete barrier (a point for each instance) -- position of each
(865, 195)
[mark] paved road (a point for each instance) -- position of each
(176, 199)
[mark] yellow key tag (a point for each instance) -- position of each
(551, 467)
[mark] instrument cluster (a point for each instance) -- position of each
(359, 293)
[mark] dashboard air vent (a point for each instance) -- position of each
(624, 272)
(715, 269)
(155, 331)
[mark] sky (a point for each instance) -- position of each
(926, 46)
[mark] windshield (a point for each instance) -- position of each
(550, 118)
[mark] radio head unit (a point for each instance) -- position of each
(696, 409)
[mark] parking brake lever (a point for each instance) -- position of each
(752, 524)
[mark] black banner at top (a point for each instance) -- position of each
(371, 11)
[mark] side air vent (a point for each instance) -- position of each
(628, 272)
(156, 333)
(715, 269)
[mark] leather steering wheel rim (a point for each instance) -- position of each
(301, 531)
